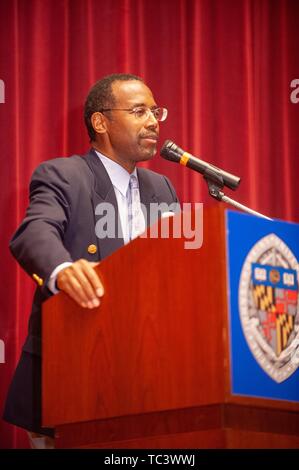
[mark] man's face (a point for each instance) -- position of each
(131, 139)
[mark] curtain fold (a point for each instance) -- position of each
(223, 68)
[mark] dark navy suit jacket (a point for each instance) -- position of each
(59, 226)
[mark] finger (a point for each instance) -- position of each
(80, 273)
(93, 264)
(75, 290)
(81, 282)
(93, 278)
(72, 291)
(68, 281)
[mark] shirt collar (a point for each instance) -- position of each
(118, 175)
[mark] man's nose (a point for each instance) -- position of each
(151, 121)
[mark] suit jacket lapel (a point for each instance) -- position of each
(148, 194)
(103, 192)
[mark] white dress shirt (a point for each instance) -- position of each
(120, 180)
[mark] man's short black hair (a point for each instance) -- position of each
(100, 97)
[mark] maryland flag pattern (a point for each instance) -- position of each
(264, 297)
(275, 296)
(284, 327)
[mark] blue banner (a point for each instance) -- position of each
(263, 306)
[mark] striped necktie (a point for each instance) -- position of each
(135, 215)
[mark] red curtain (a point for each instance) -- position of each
(223, 68)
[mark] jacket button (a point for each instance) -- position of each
(92, 249)
(38, 279)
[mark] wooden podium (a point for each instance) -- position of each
(150, 367)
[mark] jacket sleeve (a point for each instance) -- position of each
(38, 243)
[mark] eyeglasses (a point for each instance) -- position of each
(142, 113)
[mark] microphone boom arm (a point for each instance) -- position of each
(215, 192)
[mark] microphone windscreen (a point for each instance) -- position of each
(170, 151)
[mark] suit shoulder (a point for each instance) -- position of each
(151, 174)
(65, 164)
(61, 168)
(155, 178)
(159, 182)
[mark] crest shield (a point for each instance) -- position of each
(268, 306)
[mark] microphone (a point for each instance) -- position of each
(171, 151)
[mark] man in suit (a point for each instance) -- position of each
(57, 243)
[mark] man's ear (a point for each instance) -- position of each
(98, 122)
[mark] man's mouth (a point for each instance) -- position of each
(151, 137)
